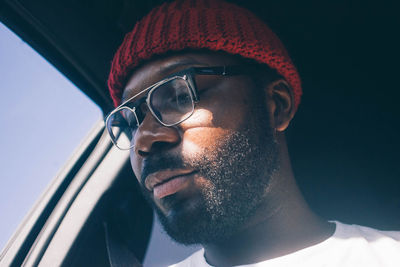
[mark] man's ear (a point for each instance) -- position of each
(280, 104)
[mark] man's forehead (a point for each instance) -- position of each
(155, 70)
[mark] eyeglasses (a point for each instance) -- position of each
(171, 101)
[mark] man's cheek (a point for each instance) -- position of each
(199, 141)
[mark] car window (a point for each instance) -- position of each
(43, 118)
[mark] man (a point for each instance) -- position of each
(204, 92)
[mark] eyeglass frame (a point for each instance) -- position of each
(225, 70)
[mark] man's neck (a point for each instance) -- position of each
(282, 225)
(269, 239)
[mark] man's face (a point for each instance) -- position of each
(206, 176)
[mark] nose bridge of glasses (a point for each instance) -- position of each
(133, 110)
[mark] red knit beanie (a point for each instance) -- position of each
(195, 24)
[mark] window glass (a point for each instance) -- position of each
(43, 117)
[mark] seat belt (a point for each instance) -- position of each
(118, 254)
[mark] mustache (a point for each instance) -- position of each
(159, 163)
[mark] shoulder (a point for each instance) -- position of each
(350, 245)
(368, 234)
(373, 245)
(194, 260)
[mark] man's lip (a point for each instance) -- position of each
(160, 177)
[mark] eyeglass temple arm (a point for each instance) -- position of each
(225, 70)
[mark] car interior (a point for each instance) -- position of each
(344, 141)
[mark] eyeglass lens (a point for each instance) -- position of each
(172, 101)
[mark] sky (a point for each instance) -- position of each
(43, 118)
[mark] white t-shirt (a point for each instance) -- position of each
(350, 245)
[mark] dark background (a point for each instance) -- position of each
(344, 140)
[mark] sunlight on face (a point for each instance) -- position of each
(200, 115)
(201, 118)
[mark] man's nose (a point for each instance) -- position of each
(152, 137)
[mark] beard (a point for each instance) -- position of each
(238, 171)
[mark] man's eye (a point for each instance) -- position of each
(182, 98)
